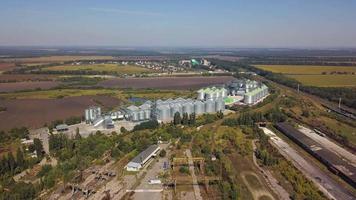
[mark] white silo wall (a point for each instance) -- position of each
(219, 105)
(87, 115)
(134, 116)
(199, 107)
(209, 106)
(201, 95)
(188, 107)
(141, 115)
(147, 114)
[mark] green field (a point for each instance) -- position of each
(121, 69)
(305, 69)
(326, 80)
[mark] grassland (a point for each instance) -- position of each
(121, 69)
(305, 69)
(326, 80)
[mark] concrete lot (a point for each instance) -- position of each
(326, 184)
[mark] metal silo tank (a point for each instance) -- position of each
(209, 106)
(219, 105)
(147, 114)
(141, 115)
(134, 116)
(201, 94)
(164, 113)
(188, 107)
(199, 107)
(248, 99)
(87, 115)
(176, 108)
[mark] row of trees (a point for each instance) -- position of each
(185, 120)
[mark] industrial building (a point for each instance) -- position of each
(142, 158)
(242, 91)
(164, 110)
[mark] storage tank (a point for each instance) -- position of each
(209, 106)
(248, 99)
(147, 114)
(188, 107)
(141, 115)
(208, 95)
(223, 92)
(134, 116)
(199, 107)
(87, 116)
(176, 108)
(220, 105)
(201, 94)
(164, 113)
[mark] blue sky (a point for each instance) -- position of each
(208, 23)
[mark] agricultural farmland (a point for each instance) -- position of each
(165, 82)
(307, 69)
(319, 76)
(120, 69)
(34, 113)
(30, 85)
(51, 59)
(326, 80)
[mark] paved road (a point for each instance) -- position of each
(195, 181)
(325, 183)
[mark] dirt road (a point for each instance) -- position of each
(192, 172)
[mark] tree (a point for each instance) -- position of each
(38, 147)
(20, 159)
(177, 119)
(185, 119)
(11, 162)
(192, 119)
(123, 130)
(77, 135)
(162, 153)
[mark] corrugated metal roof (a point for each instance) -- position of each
(144, 154)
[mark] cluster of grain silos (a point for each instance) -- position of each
(141, 113)
(165, 110)
(212, 93)
(256, 94)
(92, 113)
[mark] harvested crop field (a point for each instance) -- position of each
(121, 69)
(26, 77)
(6, 66)
(166, 82)
(307, 69)
(326, 80)
(35, 113)
(28, 85)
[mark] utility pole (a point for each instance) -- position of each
(339, 102)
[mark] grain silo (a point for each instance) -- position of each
(188, 107)
(219, 105)
(164, 113)
(201, 94)
(134, 116)
(209, 106)
(147, 114)
(176, 107)
(199, 107)
(141, 115)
